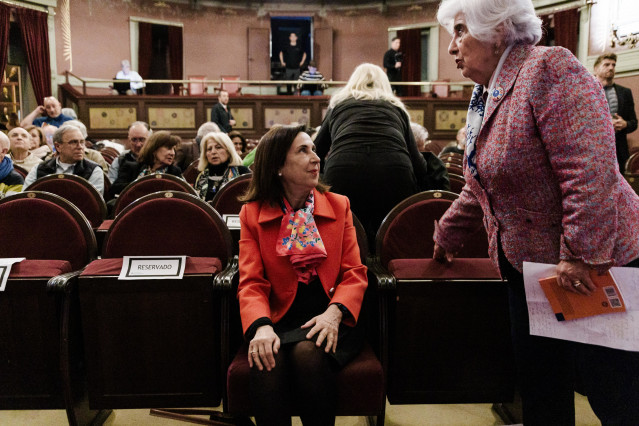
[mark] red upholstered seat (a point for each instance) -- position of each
(457, 183)
(20, 170)
(78, 191)
(225, 201)
(39, 225)
(459, 269)
(407, 231)
(39, 268)
(168, 223)
(360, 385)
(148, 185)
(632, 165)
(191, 172)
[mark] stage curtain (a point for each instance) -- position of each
(411, 46)
(5, 22)
(175, 56)
(35, 40)
(567, 29)
(145, 48)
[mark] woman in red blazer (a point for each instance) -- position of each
(301, 282)
(541, 172)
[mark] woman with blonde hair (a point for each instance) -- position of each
(373, 157)
(219, 164)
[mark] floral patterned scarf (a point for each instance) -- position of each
(204, 181)
(300, 240)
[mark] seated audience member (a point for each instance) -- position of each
(20, 144)
(90, 154)
(458, 145)
(301, 282)
(139, 132)
(39, 146)
(69, 159)
(156, 156)
(184, 156)
(53, 114)
(10, 180)
(311, 75)
(373, 159)
(126, 73)
(239, 141)
(437, 176)
(105, 143)
(219, 164)
(70, 112)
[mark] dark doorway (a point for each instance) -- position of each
(160, 56)
(281, 29)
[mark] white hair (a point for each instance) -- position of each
(483, 17)
(368, 82)
(4, 142)
(223, 139)
(207, 128)
(78, 125)
(419, 132)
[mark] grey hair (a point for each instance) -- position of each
(70, 112)
(368, 82)
(206, 128)
(520, 23)
(223, 139)
(419, 132)
(4, 141)
(59, 134)
(78, 125)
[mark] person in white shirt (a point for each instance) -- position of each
(127, 74)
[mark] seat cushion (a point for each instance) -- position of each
(360, 385)
(193, 266)
(406, 269)
(39, 268)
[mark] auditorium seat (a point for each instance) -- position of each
(147, 185)
(229, 86)
(632, 165)
(76, 190)
(20, 170)
(449, 323)
(191, 172)
(360, 384)
(453, 158)
(157, 343)
(457, 183)
(454, 168)
(226, 200)
(41, 358)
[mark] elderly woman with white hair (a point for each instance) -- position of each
(541, 174)
(373, 157)
(219, 164)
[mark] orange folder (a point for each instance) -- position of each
(568, 305)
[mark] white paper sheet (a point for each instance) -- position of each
(619, 331)
(152, 268)
(5, 269)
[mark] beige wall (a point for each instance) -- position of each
(215, 41)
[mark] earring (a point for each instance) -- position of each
(279, 173)
(496, 49)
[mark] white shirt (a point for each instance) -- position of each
(133, 76)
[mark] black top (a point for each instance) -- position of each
(13, 178)
(130, 171)
(216, 177)
(391, 57)
(222, 116)
(355, 123)
(293, 56)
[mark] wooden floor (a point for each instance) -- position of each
(396, 415)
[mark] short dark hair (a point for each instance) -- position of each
(395, 38)
(600, 59)
(155, 142)
(312, 63)
(236, 134)
(269, 159)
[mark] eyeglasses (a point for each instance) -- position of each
(136, 140)
(75, 143)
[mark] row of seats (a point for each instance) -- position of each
(174, 343)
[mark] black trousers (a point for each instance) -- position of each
(548, 369)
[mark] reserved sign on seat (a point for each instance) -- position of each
(152, 267)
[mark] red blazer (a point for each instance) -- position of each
(268, 283)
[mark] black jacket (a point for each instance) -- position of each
(221, 117)
(626, 111)
(129, 171)
(83, 168)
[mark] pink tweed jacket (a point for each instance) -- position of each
(549, 183)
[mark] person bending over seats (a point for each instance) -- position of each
(139, 132)
(10, 181)
(542, 177)
(20, 144)
(301, 282)
(69, 145)
(156, 156)
(53, 114)
(219, 164)
(38, 146)
(373, 156)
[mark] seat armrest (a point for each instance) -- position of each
(224, 281)
(63, 283)
(384, 280)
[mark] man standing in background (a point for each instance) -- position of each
(221, 114)
(622, 107)
(292, 58)
(393, 65)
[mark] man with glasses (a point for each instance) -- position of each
(139, 132)
(69, 145)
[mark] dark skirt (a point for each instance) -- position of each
(310, 301)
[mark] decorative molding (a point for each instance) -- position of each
(156, 21)
(65, 24)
